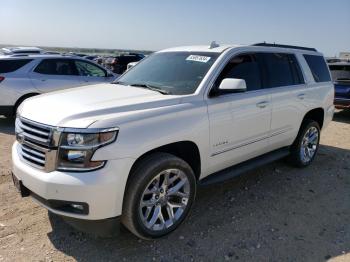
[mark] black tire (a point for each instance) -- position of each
(144, 172)
(296, 158)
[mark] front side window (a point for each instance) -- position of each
(177, 73)
(56, 67)
(282, 70)
(8, 66)
(318, 68)
(88, 69)
(244, 67)
(340, 73)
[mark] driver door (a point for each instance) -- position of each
(239, 122)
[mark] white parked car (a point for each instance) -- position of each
(28, 75)
(20, 50)
(130, 65)
(136, 150)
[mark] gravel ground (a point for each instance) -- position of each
(276, 213)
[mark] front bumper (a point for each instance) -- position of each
(342, 102)
(102, 190)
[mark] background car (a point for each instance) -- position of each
(341, 77)
(119, 63)
(130, 65)
(16, 50)
(24, 76)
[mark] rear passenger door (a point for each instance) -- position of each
(285, 82)
(55, 74)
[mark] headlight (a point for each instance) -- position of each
(76, 150)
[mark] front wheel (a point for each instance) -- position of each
(159, 195)
(305, 146)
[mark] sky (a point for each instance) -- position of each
(158, 24)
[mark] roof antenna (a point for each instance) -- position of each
(213, 44)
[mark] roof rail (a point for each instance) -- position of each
(286, 46)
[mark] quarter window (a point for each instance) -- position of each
(318, 68)
(241, 67)
(88, 69)
(8, 66)
(56, 67)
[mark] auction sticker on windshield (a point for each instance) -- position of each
(198, 58)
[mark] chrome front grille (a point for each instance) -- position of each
(37, 144)
(33, 156)
(34, 132)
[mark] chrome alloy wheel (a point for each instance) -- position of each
(309, 144)
(164, 200)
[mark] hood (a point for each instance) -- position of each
(81, 107)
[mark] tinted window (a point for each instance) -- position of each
(7, 66)
(176, 72)
(241, 67)
(340, 72)
(26, 52)
(296, 70)
(56, 67)
(282, 70)
(88, 69)
(318, 68)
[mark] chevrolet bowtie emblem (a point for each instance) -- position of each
(20, 138)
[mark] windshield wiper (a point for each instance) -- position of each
(120, 83)
(153, 88)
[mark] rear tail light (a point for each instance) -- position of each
(2, 78)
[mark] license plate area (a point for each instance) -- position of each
(24, 192)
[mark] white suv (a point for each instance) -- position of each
(137, 149)
(23, 76)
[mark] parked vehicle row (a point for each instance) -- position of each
(25, 76)
(134, 151)
(340, 70)
(119, 64)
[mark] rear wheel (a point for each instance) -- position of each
(159, 195)
(305, 147)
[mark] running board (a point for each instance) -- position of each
(244, 167)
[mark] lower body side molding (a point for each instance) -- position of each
(244, 167)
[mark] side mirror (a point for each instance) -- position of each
(233, 85)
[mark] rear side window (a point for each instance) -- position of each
(282, 70)
(57, 67)
(242, 67)
(8, 66)
(318, 68)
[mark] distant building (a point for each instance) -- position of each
(344, 55)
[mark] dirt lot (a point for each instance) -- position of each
(276, 213)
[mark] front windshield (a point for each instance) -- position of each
(340, 72)
(175, 73)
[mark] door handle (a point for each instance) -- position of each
(262, 104)
(301, 96)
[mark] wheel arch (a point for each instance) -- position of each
(316, 114)
(186, 150)
(21, 99)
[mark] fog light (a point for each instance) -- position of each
(76, 206)
(76, 156)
